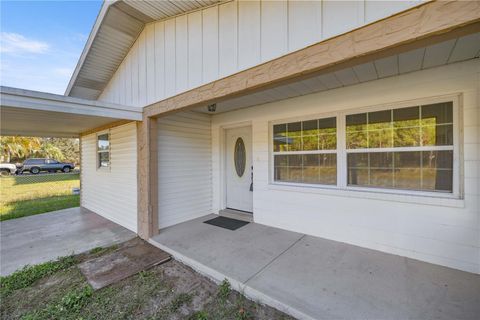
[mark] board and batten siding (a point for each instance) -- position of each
(437, 230)
(112, 192)
(184, 52)
(184, 168)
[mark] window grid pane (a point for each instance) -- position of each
(426, 125)
(408, 170)
(306, 168)
(302, 145)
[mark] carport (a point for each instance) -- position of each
(33, 113)
(47, 236)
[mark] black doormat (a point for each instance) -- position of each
(227, 223)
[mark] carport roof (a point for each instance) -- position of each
(32, 113)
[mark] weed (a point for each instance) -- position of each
(243, 314)
(224, 290)
(180, 300)
(199, 315)
(97, 250)
(75, 300)
(30, 274)
(70, 305)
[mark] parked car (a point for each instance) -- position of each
(7, 169)
(36, 165)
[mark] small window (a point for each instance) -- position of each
(103, 150)
(306, 151)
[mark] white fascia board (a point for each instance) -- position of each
(93, 33)
(20, 98)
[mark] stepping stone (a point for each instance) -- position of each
(121, 263)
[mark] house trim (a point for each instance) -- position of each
(105, 127)
(428, 23)
(147, 178)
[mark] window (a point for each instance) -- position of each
(103, 150)
(240, 157)
(407, 148)
(35, 161)
(305, 151)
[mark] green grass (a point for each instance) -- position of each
(59, 290)
(22, 196)
(29, 274)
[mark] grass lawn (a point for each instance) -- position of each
(27, 195)
(58, 290)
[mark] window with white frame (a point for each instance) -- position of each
(408, 147)
(305, 151)
(103, 150)
(405, 148)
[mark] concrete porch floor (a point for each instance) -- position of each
(47, 236)
(314, 278)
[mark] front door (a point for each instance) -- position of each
(239, 168)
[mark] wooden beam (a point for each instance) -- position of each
(105, 127)
(147, 178)
(418, 25)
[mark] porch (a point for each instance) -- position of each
(310, 277)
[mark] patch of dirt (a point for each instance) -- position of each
(168, 291)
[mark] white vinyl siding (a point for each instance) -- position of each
(112, 192)
(205, 45)
(437, 229)
(184, 168)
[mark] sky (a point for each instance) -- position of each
(41, 41)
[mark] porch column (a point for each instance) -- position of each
(147, 178)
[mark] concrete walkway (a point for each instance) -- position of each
(314, 278)
(44, 237)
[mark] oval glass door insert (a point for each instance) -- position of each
(240, 157)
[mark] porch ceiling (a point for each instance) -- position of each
(443, 53)
(31, 113)
(118, 25)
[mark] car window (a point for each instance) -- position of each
(35, 161)
(50, 161)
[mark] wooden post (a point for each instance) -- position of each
(147, 178)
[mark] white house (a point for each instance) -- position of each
(355, 121)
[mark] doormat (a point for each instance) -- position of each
(226, 223)
(122, 263)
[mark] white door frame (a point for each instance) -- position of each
(223, 159)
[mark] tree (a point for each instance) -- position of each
(17, 148)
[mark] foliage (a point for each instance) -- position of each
(224, 290)
(70, 305)
(29, 274)
(180, 300)
(17, 149)
(199, 315)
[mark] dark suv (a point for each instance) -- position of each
(40, 164)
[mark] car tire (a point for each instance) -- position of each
(66, 169)
(35, 170)
(4, 172)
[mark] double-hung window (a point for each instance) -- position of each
(408, 147)
(103, 150)
(405, 148)
(306, 151)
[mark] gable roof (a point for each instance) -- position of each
(118, 25)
